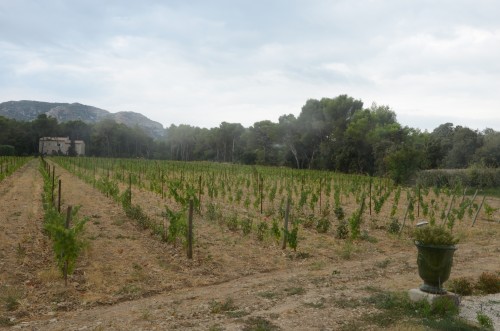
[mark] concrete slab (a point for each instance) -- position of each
(417, 294)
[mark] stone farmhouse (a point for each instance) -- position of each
(59, 146)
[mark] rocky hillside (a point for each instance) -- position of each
(29, 110)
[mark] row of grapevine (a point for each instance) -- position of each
(319, 199)
(9, 164)
(64, 229)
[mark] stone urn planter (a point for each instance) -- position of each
(436, 247)
(434, 266)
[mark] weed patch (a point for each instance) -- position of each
(295, 291)
(394, 307)
(488, 283)
(217, 307)
(259, 324)
(462, 286)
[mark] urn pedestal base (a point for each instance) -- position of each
(417, 294)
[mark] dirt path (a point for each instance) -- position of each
(24, 250)
(129, 279)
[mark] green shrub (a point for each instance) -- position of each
(484, 320)
(217, 307)
(339, 213)
(488, 283)
(275, 230)
(342, 231)
(108, 187)
(66, 242)
(462, 286)
(307, 222)
(473, 177)
(356, 219)
(262, 228)
(135, 212)
(178, 225)
(213, 212)
(323, 225)
(232, 222)
(292, 237)
(434, 235)
(394, 226)
(246, 225)
(443, 307)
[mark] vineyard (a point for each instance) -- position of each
(254, 199)
(9, 164)
(251, 244)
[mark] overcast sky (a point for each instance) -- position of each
(204, 62)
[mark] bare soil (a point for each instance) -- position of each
(129, 279)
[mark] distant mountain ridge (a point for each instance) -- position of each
(26, 110)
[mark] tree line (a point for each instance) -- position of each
(332, 133)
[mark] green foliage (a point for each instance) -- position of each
(489, 211)
(379, 202)
(434, 235)
(66, 243)
(262, 228)
(308, 222)
(178, 225)
(323, 225)
(484, 320)
(275, 230)
(342, 231)
(213, 212)
(108, 187)
(394, 226)
(356, 219)
(474, 177)
(339, 213)
(246, 225)
(10, 296)
(461, 286)
(182, 195)
(126, 198)
(347, 250)
(232, 222)
(443, 307)
(394, 306)
(292, 237)
(7, 150)
(395, 203)
(217, 307)
(136, 213)
(259, 324)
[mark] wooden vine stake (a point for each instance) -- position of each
(320, 189)
(418, 201)
(370, 196)
(478, 210)
(130, 189)
(53, 182)
(285, 226)
(199, 195)
(190, 230)
(59, 198)
(404, 219)
(473, 198)
(463, 196)
(449, 209)
(161, 179)
(261, 188)
(67, 226)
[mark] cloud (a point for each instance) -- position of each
(202, 63)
